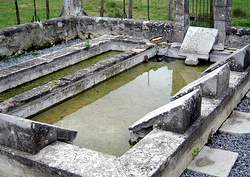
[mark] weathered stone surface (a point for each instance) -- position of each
(214, 84)
(18, 39)
(175, 116)
(30, 136)
(238, 61)
(34, 101)
(198, 43)
(61, 159)
(237, 123)
(152, 154)
(214, 162)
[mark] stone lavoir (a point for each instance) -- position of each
(76, 119)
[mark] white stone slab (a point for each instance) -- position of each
(248, 95)
(213, 162)
(198, 43)
(237, 123)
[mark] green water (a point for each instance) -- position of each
(102, 114)
(56, 75)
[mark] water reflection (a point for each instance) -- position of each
(102, 114)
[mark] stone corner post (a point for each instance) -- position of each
(182, 20)
(222, 17)
(72, 8)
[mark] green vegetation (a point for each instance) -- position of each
(56, 75)
(195, 152)
(114, 8)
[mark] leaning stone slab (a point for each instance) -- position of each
(29, 136)
(198, 43)
(215, 84)
(176, 116)
(214, 162)
(238, 61)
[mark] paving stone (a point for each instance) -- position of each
(198, 43)
(237, 123)
(214, 162)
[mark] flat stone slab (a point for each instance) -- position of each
(198, 43)
(214, 162)
(237, 123)
(248, 95)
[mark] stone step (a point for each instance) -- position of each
(214, 162)
(237, 123)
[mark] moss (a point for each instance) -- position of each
(56, 75)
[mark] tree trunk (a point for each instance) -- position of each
(73, 7)
(47, 9)
(102, 8)
(130, 9)
(17, 13)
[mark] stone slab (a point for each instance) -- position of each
(238, 61)
(248, 95)
(175, 116)
(214, 84)
(198, 43)
(237, 123)
(152, 154)
(213, 162)
(30, 136)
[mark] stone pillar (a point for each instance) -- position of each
(73, 7)
(222, 16)
(181, 19)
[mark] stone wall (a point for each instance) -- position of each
(18, 39)
(237, 37)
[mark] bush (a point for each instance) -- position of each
(239, 13)
(113, 9)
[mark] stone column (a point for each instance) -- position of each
(222, 16)
(73, 7)
(181, 19)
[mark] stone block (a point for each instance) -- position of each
(220, 13)
(152, 154)
(215, 84)
(214, 162)
(198, 43)
(237, 123)
(175, 116)
(238, 61)
(221, 3)
(29, 136)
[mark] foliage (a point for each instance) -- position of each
(113, 9)
(195, 152)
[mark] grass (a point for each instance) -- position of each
(114, 8)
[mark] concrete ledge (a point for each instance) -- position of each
(38, 99)
(152, 154)
(30, 136)
(214, 84)
(175, 116)
(238, 61)
(61, 159)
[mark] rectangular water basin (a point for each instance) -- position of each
(102, 114)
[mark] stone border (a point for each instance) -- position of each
(40, 98)
(16, 40)
(48, 63)
(160, 152)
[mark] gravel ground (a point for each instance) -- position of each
(5, 63)
(244, 105)
(234, 143)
